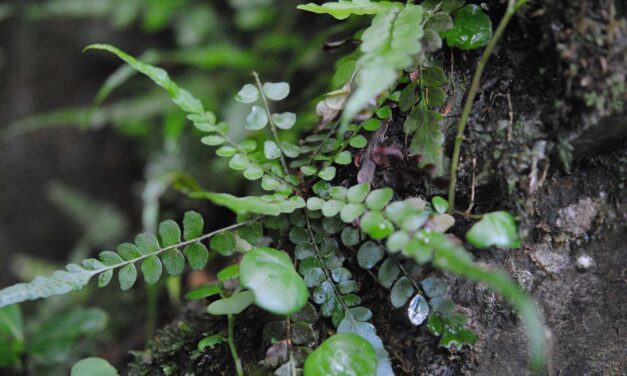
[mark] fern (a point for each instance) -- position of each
(344, 8)
(146, 248)
(389, 44)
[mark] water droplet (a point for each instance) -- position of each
(418, 310)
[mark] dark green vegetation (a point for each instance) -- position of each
(332, 209)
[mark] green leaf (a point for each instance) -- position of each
(428, 140)
(239, 162)
(174, 261)
(270, 275)
(253, 172)
(247, 94)
(271, 150)
(388, 273)
(210, 341)
(344, 8)
(197, 255)
(409, 96)
(128, 251)
(213, 140)
(180, 97)
(350, 236)
(385, 112)
(436, 97)
(152, 269)
(379, 198)
(231, 271)
(432, 77)
(401, 291)
(357, 193)
(233, 305)
(251, 232)
(267, 205)
(368, 332)
(290, 150)
(127, 276)
(223, 243)
(315, 203)
(269, 183)
(397, 241)
(433, 286)
(193, 225)
(375, 225)
(327, 173)
(341, 355)
(226, 151)
(369, 255)
(388, 45)
(93, 367)
(257, 119)
(276, 91)
(439, 204)
(371, 124)
(285, 120)
(308, 170)
(203, 292)
(105, 277)
(332, 207)
(351, 212)
(472, 28)
(358, 141)
(60, 282)
(147, 243)
(344, 158)
(494, 229)
(169, 232)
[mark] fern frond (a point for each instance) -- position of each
(146, 248)
(344, 8)
(389, 45)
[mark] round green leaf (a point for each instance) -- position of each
(308, 170)
(494, 229)
(375, 225)
(344, 158)
(169, 232)
(315, 203)
(439, 204)
(358, 141)
(332, 207)
(276, 90)
(152, 269)
(388, 272)
(357, 193)
(342, 355)
(327, 173)
(472, 28)
(197, 255)
(253, 172)
(401, 291)
(351, 212)
(372, 124)
(174, 261)
(256, 119)
(223, 243)
(127, 276)
(247, 94)
(226, 151)
(369, 255)
(270, 275)
(93, 367)
(286, 120)
(378, 198)
(271, 150)
(213, 140)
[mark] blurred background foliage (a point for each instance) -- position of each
(89, 152)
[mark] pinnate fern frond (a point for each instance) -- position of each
(152, 253)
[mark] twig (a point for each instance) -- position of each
(512, 7)
(272, 125)
(231, 340)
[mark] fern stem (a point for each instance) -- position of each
(178, 245)
(231, 340)
(272, 125)
(512, 7)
